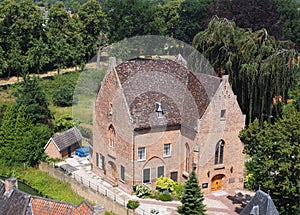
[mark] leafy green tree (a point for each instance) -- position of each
(22, 37)
(94, 23)
(58, 32)
(289, 15)
(64, 123)
(128, 18)
(34, 99)
(255, 62)
(193, 17)
(274, 160)
(75, 42)
(192, 199)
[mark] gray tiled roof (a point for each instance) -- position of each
(67, 138)
(16, 203)
(182, 94)
(260, 204)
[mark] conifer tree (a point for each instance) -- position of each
(34, 99)
(7, 134)
(192, 200)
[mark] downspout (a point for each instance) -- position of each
(133, 157)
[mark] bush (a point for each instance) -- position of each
(154, 194)
(165, 197)
(64, 122)
(63, 96)
(141, 190)
(133, 204)
(178, 189)
(164, 183)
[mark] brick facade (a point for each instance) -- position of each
(172, 147)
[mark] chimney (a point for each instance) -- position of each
(10, 184)
(99, 210)
(112, 63)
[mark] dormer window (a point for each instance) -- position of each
(159, 109)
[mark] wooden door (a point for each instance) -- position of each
(216, 183)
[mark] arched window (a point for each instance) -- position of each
(187, 157)
(219, 153)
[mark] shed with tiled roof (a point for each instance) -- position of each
(64, 145)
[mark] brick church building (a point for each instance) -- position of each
(156, 118)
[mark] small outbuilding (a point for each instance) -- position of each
(64, 144)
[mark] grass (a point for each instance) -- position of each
(87, 85)
(48, 186)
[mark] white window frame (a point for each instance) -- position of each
(169, 150)
(144, 152)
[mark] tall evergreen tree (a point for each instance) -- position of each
(192, 199)
(20, 140)
(34, 99)
(7, 132)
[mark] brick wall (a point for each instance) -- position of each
(85, 192)
(52, 150)
(188, 146)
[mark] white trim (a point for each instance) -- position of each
(170, 154)
(145, 154)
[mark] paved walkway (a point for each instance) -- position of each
(217, 203)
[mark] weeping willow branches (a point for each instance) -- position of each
(261, 69)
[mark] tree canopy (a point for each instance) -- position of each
(31, 96)
(274, 161)
(20, 140)
(261, 69)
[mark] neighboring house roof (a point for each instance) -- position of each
(21, 203)
(180, 92)
(16, 202)
(260, 204)
(66, 139)
(52, 207)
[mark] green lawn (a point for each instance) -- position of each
(47, 185)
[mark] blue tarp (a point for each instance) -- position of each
(83, 152)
